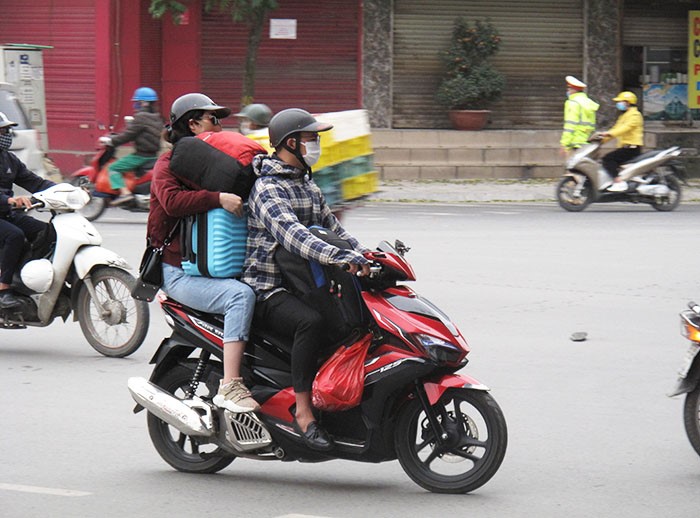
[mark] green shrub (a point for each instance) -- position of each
(470, 80)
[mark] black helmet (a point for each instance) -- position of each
(293, 120)
(188, 102)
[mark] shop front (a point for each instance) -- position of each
(655, 59)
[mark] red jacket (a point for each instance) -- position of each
(170, 200)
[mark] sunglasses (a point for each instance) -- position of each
(6, 131)
(216, 121)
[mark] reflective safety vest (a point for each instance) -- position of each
(579, 120)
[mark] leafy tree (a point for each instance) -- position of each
(250, 12)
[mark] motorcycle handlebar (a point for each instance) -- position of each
(35, 205)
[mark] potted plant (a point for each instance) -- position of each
(471, 83)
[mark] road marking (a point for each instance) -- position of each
(43, 490)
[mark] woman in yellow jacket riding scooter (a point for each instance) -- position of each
(629, 132)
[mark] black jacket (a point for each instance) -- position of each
(13, 171)
(144, 131)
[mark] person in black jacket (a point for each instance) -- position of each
(144, 130)
(15, 226)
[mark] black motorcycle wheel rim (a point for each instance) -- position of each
(469, 457)
(181, 451)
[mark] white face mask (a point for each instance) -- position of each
(313, 152)
(245, 127)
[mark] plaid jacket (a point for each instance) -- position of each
(283, 203)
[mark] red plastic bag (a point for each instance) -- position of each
(339, 382)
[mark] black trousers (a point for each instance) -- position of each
(613, 160)
(288, 316)
(13, 230)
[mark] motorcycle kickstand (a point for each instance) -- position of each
(441, 435)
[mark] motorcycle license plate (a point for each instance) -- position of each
(690, 355)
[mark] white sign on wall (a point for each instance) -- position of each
(283, 29)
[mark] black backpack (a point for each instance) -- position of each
(333, 292)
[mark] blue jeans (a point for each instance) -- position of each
(229, 297)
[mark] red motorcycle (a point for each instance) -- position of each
(96, 177)
(446, 430)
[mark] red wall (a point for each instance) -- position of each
(104, 49)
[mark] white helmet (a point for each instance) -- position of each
(37, 275)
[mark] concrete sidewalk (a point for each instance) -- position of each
(473, 191)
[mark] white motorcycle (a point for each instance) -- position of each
(67, 270)
(652, 177)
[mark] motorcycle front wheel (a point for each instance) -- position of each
(691, 418)
(95, 207)
(571, 196)
(471, 454)
(672, 200)
(115, 324)
(183, 452)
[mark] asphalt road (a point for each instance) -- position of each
(591, 431)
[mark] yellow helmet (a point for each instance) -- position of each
(626, 96)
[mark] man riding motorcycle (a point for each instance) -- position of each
(14, 226)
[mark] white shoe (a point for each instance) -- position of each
(618, 187)
(234, 396)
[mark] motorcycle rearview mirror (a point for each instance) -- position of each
(401, 248)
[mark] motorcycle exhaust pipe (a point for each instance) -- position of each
(167, 408)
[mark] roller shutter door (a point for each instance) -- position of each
(318, 71)
(654, 23)
(542, 42)
(69, 67)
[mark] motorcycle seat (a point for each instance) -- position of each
(644, 156)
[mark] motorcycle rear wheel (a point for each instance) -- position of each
(183, 452)
(119, 325)
(691, 418)
(566, 198)
(475, 448)
(674, 198)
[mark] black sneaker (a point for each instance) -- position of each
(8, 300)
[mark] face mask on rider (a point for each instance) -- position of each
(245, 128)
(622, 106)
(313, 152)
(5, 141)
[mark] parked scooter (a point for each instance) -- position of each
(446, 430)
(654, 178)
(67, 270)
(689, 375)
(95, 177)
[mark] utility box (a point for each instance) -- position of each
(22, 65)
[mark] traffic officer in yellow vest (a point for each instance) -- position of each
(629, 132)
(579, 116)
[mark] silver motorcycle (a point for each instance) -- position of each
(653, 177)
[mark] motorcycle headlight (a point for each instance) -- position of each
(690, 326)
(438, 349)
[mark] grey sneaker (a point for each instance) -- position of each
(122, 199)
(234, 396)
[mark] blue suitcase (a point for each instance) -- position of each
(214, 243)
